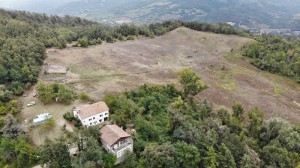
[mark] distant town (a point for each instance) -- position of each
(277, 32)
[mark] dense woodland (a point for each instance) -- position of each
(173, 129)
(277, 55)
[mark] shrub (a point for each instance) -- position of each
(69, 116)
(49, 124)
(84, 97)
(83, 42)
(78, 123)
(130, 37)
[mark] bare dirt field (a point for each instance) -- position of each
(127, 65)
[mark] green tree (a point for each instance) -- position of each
(225, 158)
(246, 162)
(190, 81)
(55, 153)
(17, 153)
(25, 154)
(109, 160)
(186, 156)
(256, 118)
(45, 93)
(210, 161)
(238, 111)
(276, 156)
(297, 68)
(159, 156)
(11, 128)
(224, 116)
(92, 153)
(129, 161)
(65, 94)
(52, 92)
(272, 128)
(7, 152)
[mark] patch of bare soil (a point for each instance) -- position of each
(127, 65)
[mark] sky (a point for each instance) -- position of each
(32, 4)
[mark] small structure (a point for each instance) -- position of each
(42, 118)
(116, 141)
(93, 114)
(54, 69)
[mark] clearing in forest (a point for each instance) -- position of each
(217, 58)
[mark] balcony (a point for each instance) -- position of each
(120, 147)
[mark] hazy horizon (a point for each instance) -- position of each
(33, 5)
(252, 13)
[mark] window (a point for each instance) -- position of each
(90, 119)
(90, 123)
(105, 113)
(100, 120)
(101, 115)
(93, 118)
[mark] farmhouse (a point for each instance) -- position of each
(93, 114)
(116, 141)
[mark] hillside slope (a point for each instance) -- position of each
(127, 65)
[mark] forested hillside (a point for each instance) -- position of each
(173, 129)
(276, 55)
(26, 35)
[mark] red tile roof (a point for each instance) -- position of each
(112, 133)
(93, 109)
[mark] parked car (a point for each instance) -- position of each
(31, 104)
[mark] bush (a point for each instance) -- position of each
(84, 97)
(49, 124)
(83, 42)
(130, 37)
(69, 116)
(78, 123)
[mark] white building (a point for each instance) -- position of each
(42, 118)
(93, 114)
(116, 141)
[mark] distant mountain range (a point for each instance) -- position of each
(251, 13)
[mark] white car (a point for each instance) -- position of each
(31, 104)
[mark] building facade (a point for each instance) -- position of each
(116, 141)
(93, 114)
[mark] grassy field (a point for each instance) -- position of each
(127, 65)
